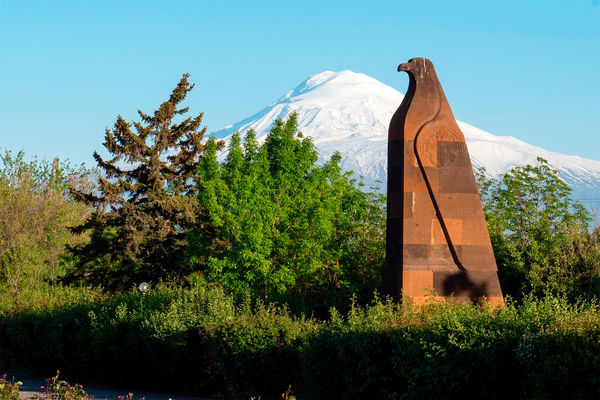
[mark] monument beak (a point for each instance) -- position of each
(403, 67)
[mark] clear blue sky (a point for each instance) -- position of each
(529, 69)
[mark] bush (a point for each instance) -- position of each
(36, 211)
(209, 345)
(9, 390)
(541, 238)
(57, 389)
(275, 221)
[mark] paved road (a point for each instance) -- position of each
(32, 386)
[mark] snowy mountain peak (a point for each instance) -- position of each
(350, 112)
(331, 78)
(318, 79)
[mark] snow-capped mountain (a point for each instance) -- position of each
(350, 112)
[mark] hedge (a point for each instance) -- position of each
(199, 341)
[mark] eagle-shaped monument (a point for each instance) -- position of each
(437, 239)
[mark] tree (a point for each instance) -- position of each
(146, 199)
(541, 237)
(36, 211)
(283, 226)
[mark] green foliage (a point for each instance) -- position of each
(57, 389)
(540, 236)
(9, 390)
(147, 197)
(276, 222)
(271, 226)
(35, 213)
(210, 345)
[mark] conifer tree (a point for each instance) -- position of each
(146, 197)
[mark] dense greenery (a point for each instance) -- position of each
(202, 342)
(541, 238)
(35, 214)
(277, 223)
(146, 200)
(268, 219)
(248, 247)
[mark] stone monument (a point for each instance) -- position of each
(437, 238)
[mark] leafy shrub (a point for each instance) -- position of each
(36, 211)
(276, 222)
(209, 344)
(541, 238)
(9, 390)
(57, 389)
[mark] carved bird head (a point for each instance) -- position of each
(417, 67)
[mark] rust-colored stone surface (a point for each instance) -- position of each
(437, 237)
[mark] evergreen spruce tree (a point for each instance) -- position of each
(146, 197)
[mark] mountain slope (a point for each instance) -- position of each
(350, 112)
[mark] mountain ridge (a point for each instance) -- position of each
(350, 112)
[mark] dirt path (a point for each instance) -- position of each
(32, 386)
